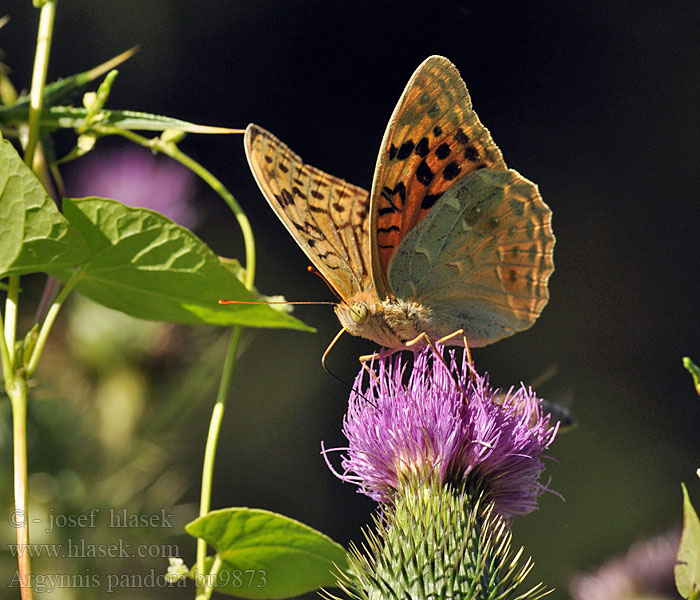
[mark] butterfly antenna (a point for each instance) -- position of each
(273, 302)
(315, 271)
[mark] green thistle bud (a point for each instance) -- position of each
(438, 541)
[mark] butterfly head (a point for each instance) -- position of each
(390, 323)
(355, 313)
(358, 312)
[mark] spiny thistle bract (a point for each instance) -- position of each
(438, 541)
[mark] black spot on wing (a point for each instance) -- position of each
(388, 193)
(437, 131)
(405, 150)
(461, 137)
(451, 171)
(429, 200)
(423, 173)
(422, 147)
(443, 151)
(284, 198)
(471, 154)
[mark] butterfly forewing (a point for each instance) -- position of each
(433, 140)
(327, 216)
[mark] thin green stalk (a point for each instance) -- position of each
(48, 323)
(217, 416)
(171, 150)
(17, 391)
(10, 328)
(209, 579)
(16, 384)
(7, 372)
(41, 65)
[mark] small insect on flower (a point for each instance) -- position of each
(445, 425)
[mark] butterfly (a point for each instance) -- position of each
(449, 239)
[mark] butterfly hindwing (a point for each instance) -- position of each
(327, 216)
(481, 258)
(433, 140)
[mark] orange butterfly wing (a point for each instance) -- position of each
(433, 139)
(327, 216)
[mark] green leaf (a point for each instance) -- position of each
(267, 555)
(34, 236)
(69, 117)
(62, 90)
(143, 264)
(694, 370)
(687, 569)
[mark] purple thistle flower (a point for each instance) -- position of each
(425, 428)
(135, 177)
(646, 571)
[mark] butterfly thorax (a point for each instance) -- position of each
(390, 323)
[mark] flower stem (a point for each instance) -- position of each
(41, 65)
(11, 317)
(7, 372)
(16, 383)
(48, 323)
(17, 391)
(212, 440)
(210, 579)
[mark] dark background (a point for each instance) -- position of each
(596, 104)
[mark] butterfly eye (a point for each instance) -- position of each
(359, 312)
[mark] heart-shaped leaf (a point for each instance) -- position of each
(147, 266)
(34, 236)
(267, 555)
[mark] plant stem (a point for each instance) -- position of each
(210, 579)
(48, 323)
(17, 391)
(217, 415)
(41, 65)
(16, 384)
(8, 374)
(11, 317)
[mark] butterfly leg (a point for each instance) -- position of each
(368, 357)
(454, 334)
(424, 336)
